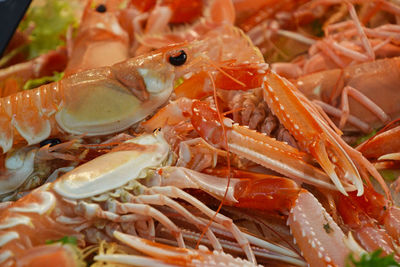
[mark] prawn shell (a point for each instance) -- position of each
(113, 170)
(100, 104)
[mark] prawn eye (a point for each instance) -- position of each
(101, 8)
(179, 59)
(51, 141)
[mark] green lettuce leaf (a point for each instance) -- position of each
(47, 25)
(71, 240)
(33, 83)
(390, 175)
(366, 137)
(373, 259)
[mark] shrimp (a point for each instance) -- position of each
(111, 99)
(295, 113)
(331, 71)
(95, 102)
(369, 109)
(73, 204)
(99, 33)
(156, 34)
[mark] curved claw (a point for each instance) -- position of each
(319, 150)
(257, 147)
(299, 116)
(170, 256)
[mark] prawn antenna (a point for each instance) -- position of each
(220, 68)
(220, 118)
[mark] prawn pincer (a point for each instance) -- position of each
(107, 100)
(200, 153)
(110, 188)
(294, 112)
(95, 102)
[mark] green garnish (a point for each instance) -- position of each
(11, 54)
(390, 175)
(178, 82)
(71, 240)
(373, 259)
(316, 27)
(33, 83)
(123, 4)
(366, 137)
(49, 25)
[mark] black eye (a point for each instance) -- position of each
(101, 8)
(179, 59)
(52, 142)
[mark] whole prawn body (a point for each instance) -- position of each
(110, 99)
(97, 102)
(64, 106)
(70, 206)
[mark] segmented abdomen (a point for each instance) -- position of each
(28, 116)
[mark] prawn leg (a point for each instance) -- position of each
(257, 147)
(318, 236)
(164, 255)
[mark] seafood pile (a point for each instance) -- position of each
(202, 133)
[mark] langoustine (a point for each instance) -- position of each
(77, 100)
(99, 33)
(145, 81)
(301, 201)
(113, 94)
(209, 126)
(190, 21)
(111, 188)
(293, 110)
(326, 87)
(349, 46)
